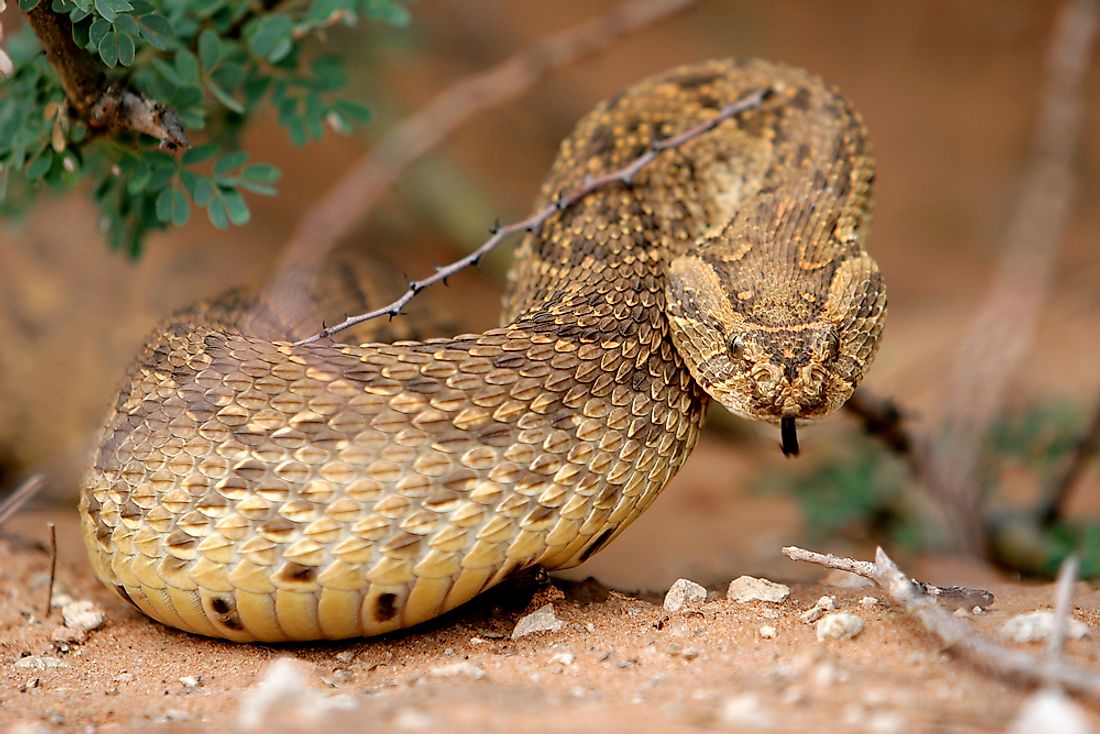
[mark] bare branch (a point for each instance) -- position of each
(347, 202)
(101, 104)
(29, 488)
(1073, 467)
(1063, 607)
(955, 597)
(955, 633)
(53, 569)
(533, 223)
(1004, 324)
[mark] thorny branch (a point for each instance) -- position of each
(101, 104)
(957, 635)
(346, 203)
(532, 223)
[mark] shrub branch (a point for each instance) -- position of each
(102, 104)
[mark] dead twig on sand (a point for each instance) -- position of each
(14, 501)
(957, 635)
(53, 569)
(347, 202)
(563, 201)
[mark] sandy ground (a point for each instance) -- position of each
(619, 663)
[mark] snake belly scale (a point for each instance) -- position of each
(255, 490)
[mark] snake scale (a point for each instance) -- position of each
(256, 490)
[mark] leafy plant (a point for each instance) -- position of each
(212, 65)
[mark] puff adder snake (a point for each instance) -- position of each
(259, 490)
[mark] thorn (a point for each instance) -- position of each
(559, 202)
(767, 94)
(476, 262)
(495, 228)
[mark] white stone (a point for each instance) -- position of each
(1037, 626)
(822, 605)
(40, 662)
(768, 632)
(458, 670)
(82, 615)
(750, 588)
(563, 658)
(745, 711)
(189, 681)
(542, 619)
(1050, 710)
(839, 626)
(684, 593)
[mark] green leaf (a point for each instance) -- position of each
(164, 205)
(110, 9)
(156, 29)
(236, 207)
(126, 49)
(225, 97)
(352, 110)
(181, 210)
(230, 161)
(270, 34)
(262, 172)
(40, 166)
(200, 153)
(217, 214)
(98, 30)
(126, 24)
(210, 49)
(187, 67)
(199, 187)
(108, 50)
(28, 5)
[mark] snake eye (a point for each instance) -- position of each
(737, 347)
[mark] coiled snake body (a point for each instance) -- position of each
(257, 490)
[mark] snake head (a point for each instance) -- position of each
(781, 347)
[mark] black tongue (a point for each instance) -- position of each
(789, 436)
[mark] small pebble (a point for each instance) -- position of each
(1037, 626)
(1050, 710)
(458, 670)
(750, 588)
(564, 658)
(768, 632)
(40, 662)
(190, 681)
(839, 626)
(745, 711)
(542, 619)
(684, 593)
(822, 605)
(82, 615)
(868, 601)
(345, 656)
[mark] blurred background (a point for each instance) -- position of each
(951, 92)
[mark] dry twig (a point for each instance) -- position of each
(346, 203)
(1071, 470)
(955, 633)
(53, 569)
(101, 104)
(29, 488)
(565, 200)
